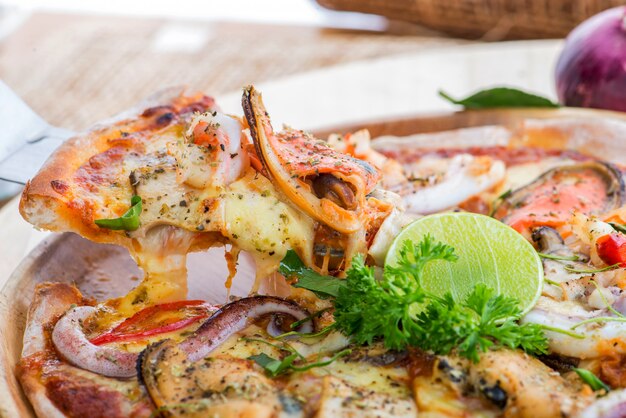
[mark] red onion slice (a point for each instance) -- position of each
(72, 343)
(233, 318)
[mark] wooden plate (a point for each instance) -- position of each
(104, 271)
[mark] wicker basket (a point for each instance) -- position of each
(486, 19)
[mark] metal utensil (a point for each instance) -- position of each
(26, 140)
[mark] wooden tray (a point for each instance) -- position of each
(104, 271)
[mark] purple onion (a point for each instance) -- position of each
(591, 71)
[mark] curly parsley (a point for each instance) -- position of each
(399, 311)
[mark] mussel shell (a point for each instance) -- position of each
(343, 219)
(203, 388)
(591, 188)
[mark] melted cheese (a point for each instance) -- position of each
(256, 221)
(357, 383)
(246, 213)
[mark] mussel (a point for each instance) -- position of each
(328, 186)
(211, 386)
(590, 188)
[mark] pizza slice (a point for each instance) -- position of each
(181, 176)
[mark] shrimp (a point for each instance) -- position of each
(431, 184)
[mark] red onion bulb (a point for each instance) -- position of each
(591, 71)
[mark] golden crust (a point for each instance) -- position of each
(53, 199)
(51, 301)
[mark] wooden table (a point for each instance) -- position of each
(77, 70)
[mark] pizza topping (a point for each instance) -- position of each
(612, 249)
(401, 312)
(431, 183)
(301, 167)
(155, 320)
(129, 221)
(436, 184)
(212, 153)
(210, 386)
(71, 342)
(589, 188)
(293, 362)
(236, 316)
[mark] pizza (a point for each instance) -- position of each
(328, 329)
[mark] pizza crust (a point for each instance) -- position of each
(51, 300)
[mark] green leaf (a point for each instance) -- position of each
(272, 366)
(323, 286)
(275, 367)
(129, 221)
(592, 380)
(500, 97)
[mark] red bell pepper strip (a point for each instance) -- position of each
(612, 249)
(133, 329)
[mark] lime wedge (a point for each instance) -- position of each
(489, 251)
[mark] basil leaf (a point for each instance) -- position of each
(592, 380)
(322, 286)
(500, 97)
(129, 221)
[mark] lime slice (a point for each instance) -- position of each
(489, 251)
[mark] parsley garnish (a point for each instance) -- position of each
(399, 311)
(129, 221)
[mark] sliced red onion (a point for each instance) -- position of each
(233, 318)
(275, 327)
(72, 343)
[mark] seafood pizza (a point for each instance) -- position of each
(331, 327)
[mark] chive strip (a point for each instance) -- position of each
(322, 363)
(598, 319)
(574, 270)
(591, 379)
(559, 257)
(321, 332)
(309, 318)
(618, 227)
(551, 282)
(606, 302)
(285, 347)
(496, 203)
(562, 331)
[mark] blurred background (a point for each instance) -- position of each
(77, 62)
